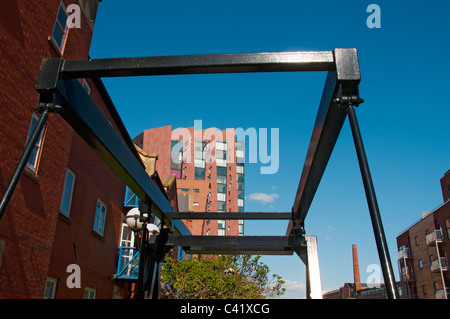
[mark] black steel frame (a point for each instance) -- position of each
(60, 92)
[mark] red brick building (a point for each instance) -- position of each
(423, 252)
(68, 206)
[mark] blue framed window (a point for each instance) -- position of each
(33, 160)
(100, 218)
(67, 195)
(60, 27)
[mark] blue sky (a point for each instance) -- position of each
(404, 120)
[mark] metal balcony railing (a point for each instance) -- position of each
(408, 277)
(439, 264)
(435, 237)
(442, 293)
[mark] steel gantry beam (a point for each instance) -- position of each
(60, 92)
(230, 215)
(238, 245)
(200, 64)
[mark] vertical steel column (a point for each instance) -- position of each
(23, 162)
(377, 225)
(310, 257)
(154, 286)
(313, 280)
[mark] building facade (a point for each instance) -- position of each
(205, 162)
(423, 252)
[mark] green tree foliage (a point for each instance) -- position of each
(219, 277)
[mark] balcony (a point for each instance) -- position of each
(404, 253)
(439, 264)
(442, 294)
(408, 277)
(128, 265)
(435, 237)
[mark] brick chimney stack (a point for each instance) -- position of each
(356, 277)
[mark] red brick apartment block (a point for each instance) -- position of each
(206, 158)
(68, 206)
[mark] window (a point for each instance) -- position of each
(50, 288)
(221, 158)
(221, 179)
(176, 157)
(221, 188)
(417, 240)
(89, 293)
(60, 28)
(66, 198)
(127, 238)
(222, 171)
(33, 160)
(220, 228)
(131, 200)
(199, 157)
(100, 217)
(420, 264)
(221, 206)
(241, 227)
(424, 289)
(199, 173)
(195, 204)
(221, 146)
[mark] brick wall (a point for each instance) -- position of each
(158, 140)
(445, 185)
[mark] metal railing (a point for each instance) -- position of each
(404, 253)
(435, 236)
(442, 293)
(439, 264)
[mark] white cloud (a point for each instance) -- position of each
(294, 290)
(263, 198)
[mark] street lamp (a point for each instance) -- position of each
(134, 222)
(133, 219)
(153, 232)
